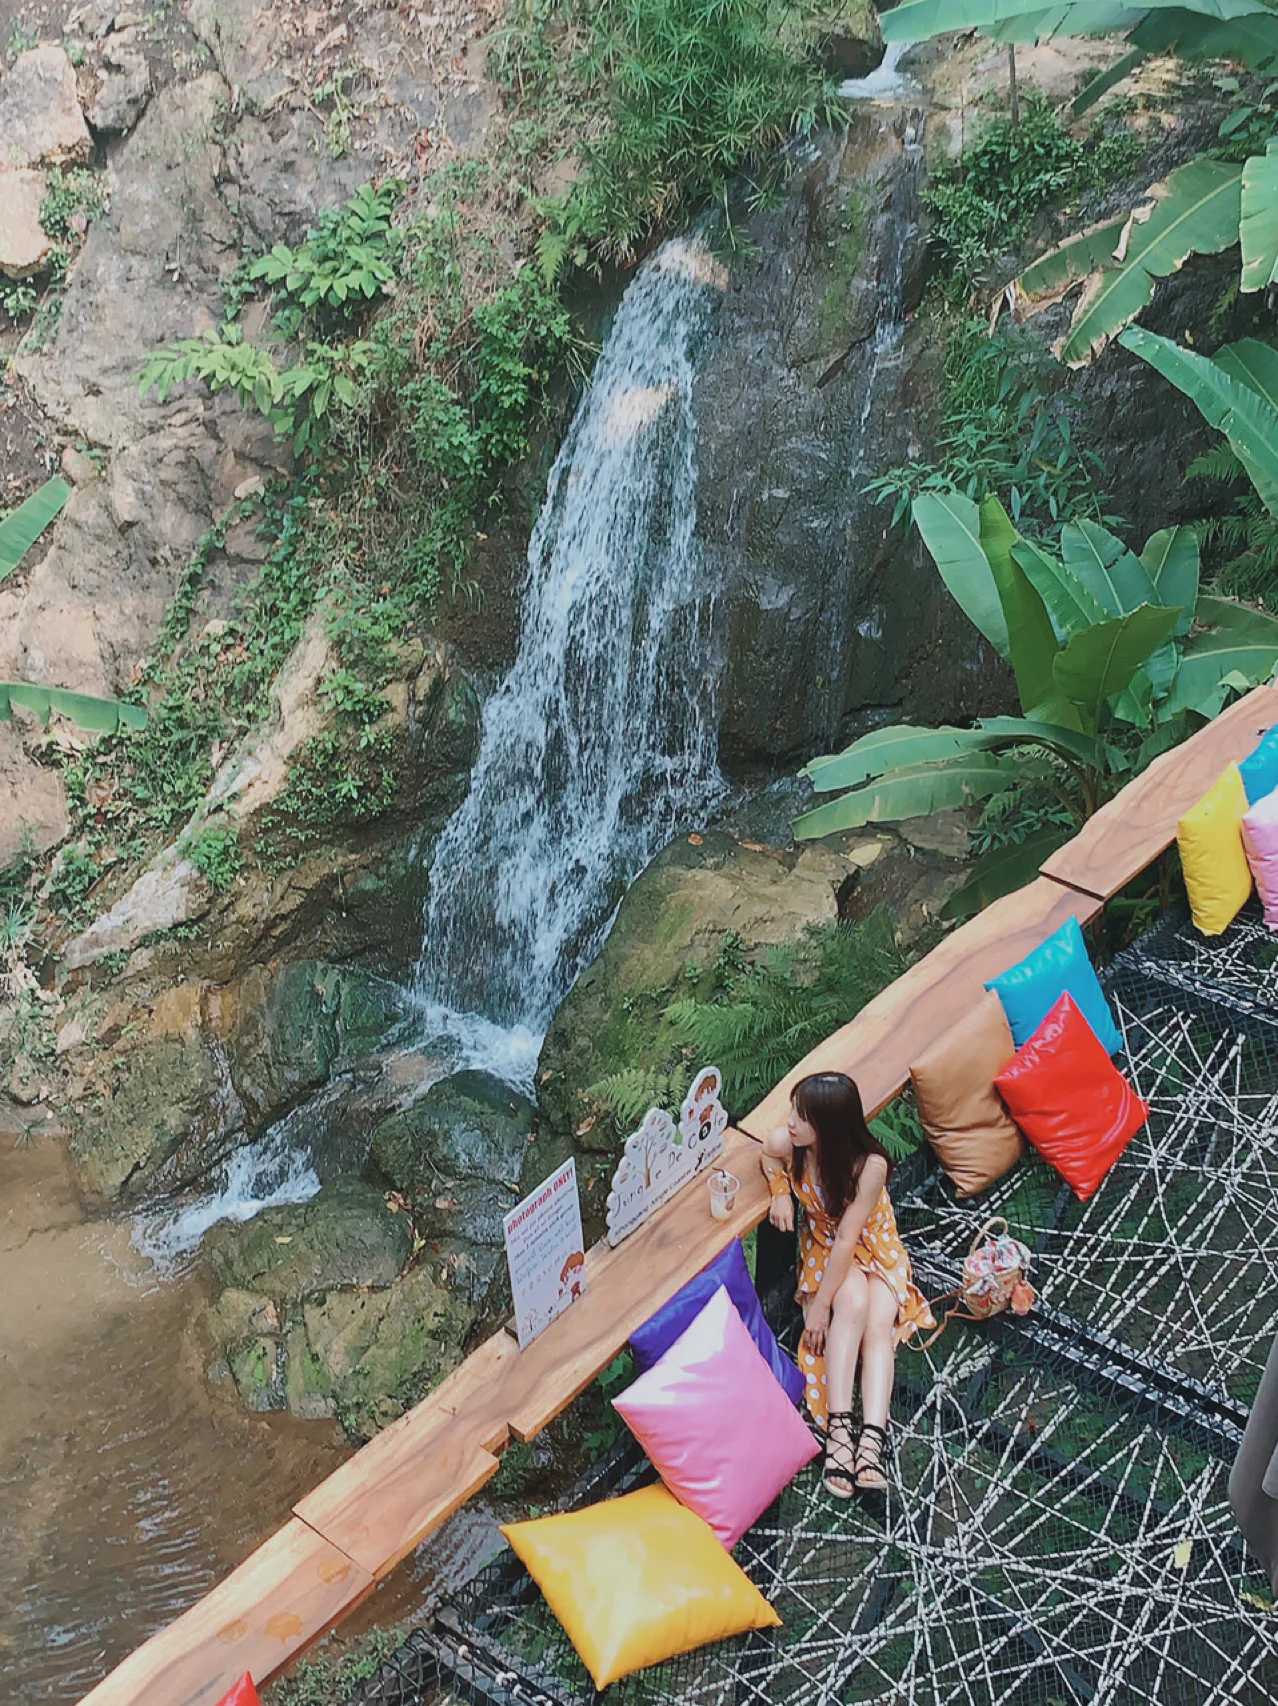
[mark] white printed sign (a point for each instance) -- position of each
(660, 1156)
(545, 1253)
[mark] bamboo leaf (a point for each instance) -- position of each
(951, 530)
(1005, 870)
(1232, 407)
(913, 792)
(887, 749)
(21, 527)
(1097, 664)
(1194, 211)
(1258, 227)
(101, 716)
(1030, 636)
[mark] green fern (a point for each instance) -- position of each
(1244, 541)
(627, 1095)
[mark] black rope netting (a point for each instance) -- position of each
(1058, 1530)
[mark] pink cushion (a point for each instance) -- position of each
(1260, 840)
(720, 1431)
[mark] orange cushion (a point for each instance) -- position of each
(243, 1694)
(967, 1125)
(1070, 1100)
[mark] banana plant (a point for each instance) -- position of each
(1114, 655)
(19, 530)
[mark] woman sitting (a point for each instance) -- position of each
(855, 1289)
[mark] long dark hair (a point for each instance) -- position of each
(831, 1104)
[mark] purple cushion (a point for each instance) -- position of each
(729, 1270)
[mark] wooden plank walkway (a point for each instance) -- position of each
(404, 1484)
(1140, 821)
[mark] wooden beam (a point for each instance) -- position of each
(280, 1599)
(877, 1047)
(1139, 823)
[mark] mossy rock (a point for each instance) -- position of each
(345, 1235)
(254, 1365)
(467, 1127)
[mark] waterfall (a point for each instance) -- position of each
(601, 742)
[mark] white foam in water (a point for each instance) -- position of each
(885, 81)
(264, 1174)
(602, 741)
(469, 1040)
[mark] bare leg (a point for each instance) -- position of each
(878, 1367)
(842, 1345)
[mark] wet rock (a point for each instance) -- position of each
(344, 1236)
(254, 1365)
(161, 1116)
(124, 87)
(40, 118)
(24, 244)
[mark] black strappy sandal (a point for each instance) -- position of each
(847, 1446)
(874, 1497)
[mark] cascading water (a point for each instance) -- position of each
(601, 742)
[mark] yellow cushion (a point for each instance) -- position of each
(637, 1580)
(1212, 856)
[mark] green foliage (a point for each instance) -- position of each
(986, 202)
(74, 875)
(1113, 654)
(1242, 544)
(73, 195)
(347, 260)
(216, 854)
(757, 1019)
(17, 301)
(335, 1669)
(687, 91)
(23, 526)
(336, 783)
(1006, 429)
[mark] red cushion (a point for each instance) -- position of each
(1069, 1099)
(243, 1694)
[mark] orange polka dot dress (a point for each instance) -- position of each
(879, 1250)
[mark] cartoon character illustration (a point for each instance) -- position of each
(572, 1278)
(703, 1118)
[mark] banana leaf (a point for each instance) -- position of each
(888, 749)
(1252, 363)
(1258, 227)
(1194, 211)
(1171, 558)
(1117, 579)
(100, 716)
(919, 20)
(1075, 258)
(20, 529)
(1030, 636)
(1070, 605)
(1178, 29)
(913, 792)
(1232, 407)
(1004, 871)
(1106, 80)
(951, 529)
(1034, 731)
(1097, 664)
(1233, 640)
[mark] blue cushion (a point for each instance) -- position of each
(660, 1331)
(1031, 989)
(1259, 770)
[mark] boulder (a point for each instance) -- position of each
(346, 1235)
(25, 246)
(124, 87)
(40, 118)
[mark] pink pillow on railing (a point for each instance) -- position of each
(1260, 840)
(720, 1431)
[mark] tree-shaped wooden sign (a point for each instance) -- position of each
(661, 1155)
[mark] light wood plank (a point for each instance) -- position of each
(280, 1599)
(876, 1048)
(1139, 823)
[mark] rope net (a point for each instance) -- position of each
(1057, 1530)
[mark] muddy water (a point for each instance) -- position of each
(127, 1488)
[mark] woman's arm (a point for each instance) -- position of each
(775, 1161)
(869, 1189)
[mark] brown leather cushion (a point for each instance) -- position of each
(972, 1133)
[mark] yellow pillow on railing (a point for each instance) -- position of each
(638, 1580)
(1212, 856)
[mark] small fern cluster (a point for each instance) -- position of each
(758, 1018)
(1246, 538)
